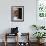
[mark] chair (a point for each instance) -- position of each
(14, 32)
(7, 35)
(26, 41)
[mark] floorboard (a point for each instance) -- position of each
(13, 44)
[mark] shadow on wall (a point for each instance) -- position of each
(3, 33)
(7, 31)
(32, 38)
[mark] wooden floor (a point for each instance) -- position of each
(13, 44)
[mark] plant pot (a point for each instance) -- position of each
(40, 41)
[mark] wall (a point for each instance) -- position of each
(29, 15)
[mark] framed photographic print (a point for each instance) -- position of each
(17, 13)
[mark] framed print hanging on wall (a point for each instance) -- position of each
(17, 13)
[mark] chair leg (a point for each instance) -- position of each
(5, 40)
(5, 43)
(17, 39)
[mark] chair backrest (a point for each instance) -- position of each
(14, 30)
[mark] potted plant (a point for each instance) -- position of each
(39, 35)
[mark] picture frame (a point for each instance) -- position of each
(17, 13)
